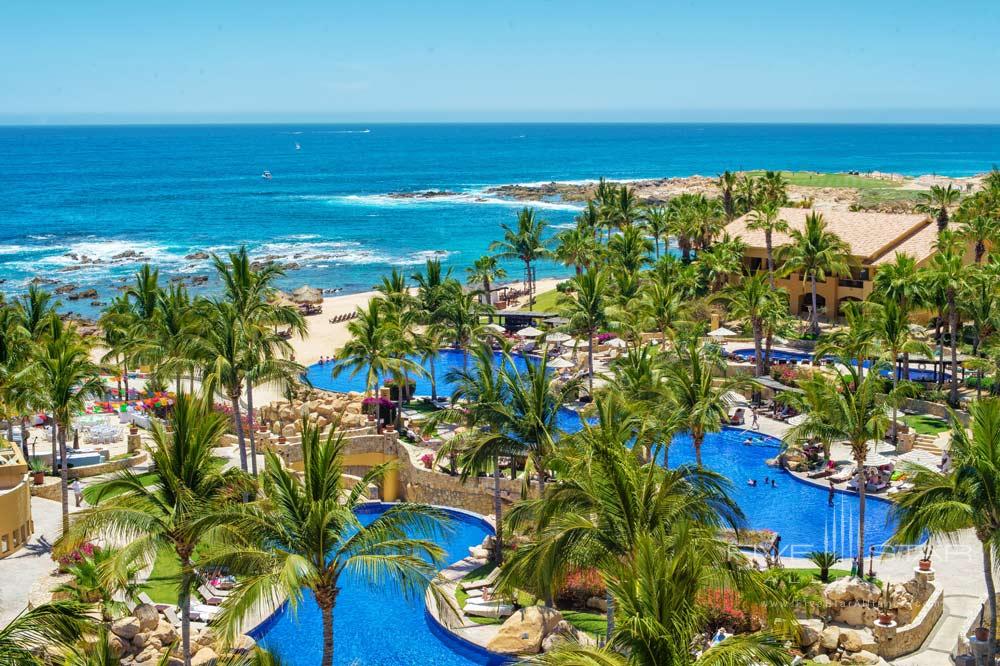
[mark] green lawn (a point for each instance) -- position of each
(925, 424)
(880, 197)
(545, 301)
(812, 179)
(162, 583)
(91, 493)
(812, 573)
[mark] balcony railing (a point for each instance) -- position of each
(848, 282)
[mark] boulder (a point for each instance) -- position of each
(524, 631)
(851, 640)
(289, 430)
(149, 654)
(126, 628)
(830, 638)
(856, 615)
(598, 603)
(862, 658)
(809, 632)
(821, 659)
(206, 656)
(845, 590)
(164, 633)
(564, 632)
(147, 615)
(478, 552)
(242, 645)
(206, 637)
(140, 641)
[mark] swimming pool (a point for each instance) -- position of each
(916, 374)
(796, 510)
(378, 627)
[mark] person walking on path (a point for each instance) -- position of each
(77, 489)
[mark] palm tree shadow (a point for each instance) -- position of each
(41, 547)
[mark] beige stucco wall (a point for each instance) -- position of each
(16, 525)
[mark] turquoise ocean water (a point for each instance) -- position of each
(166, 193)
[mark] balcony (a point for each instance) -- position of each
(851, 283)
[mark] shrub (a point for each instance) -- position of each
(724, 608)
(581, 585)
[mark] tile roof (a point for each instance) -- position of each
(873, 237)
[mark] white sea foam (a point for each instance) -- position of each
(463, 199)
(360, 131)
(21, 249)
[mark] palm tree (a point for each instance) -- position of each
(750, 298)
(460, 314)
(937, 203)
(607, 498)
(36, 309)
(949, 275)
(485, 271)
(660, 594)
(766, 219)
(722, 260)
(575, 247)
(849, 408)
(658, 226)
(901, 281)
(981, 230)
(696, 394)
(525, 243)
(368, 348)
(92, 586)
(55, 624)
(814, 253)
(432, 284)
(891, 326)
(623, 210)
(662, 304)
(773, 189)
(747, 193)
(67, 377)
(427, 345)
(174, 512)
(727, 188)
(305, 535)
(584, 306)
(968, 497)
(267, 362)
(629, 250)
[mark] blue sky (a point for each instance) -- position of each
(513, 60)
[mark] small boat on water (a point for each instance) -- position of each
(266, 175)
(298, 146)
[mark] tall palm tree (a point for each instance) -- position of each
(750, 298)
(460, 314)
(305, 535)
(176, 510)
(767, 219)
(585, 308)
(55, 624)
(658, 226)
(901, 281)
(891, 326)
(727, 188)
(623, 210)
(814, 252)
(432, 284)
(696, 394)
(982, 231)
(968, 497)
(629, 250)
(773, 189)
(576, 248)
(485, 271)
(427, 344)
(662, 304)
(368, 348)
(267, 362)
(948, 271)
(852, 408)
(525, 243)
(660, 593)
(747, 193)
(36, 308)
(938, 203)
(67, 377)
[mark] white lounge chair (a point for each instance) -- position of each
(482, 582)
(844, 475)
(209, 598)
(204, 613)
(489, 609)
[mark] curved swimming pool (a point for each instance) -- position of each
(377, 627)
(916, 374)
(797, 510)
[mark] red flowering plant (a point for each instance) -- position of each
(604, 337)
(75, 556)
(580, 585)
(725, 609)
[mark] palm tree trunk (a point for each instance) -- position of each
(767, 350)
(125, 379)
(953, 331)
(497, 508)
(770, 259)
(489, 294)
(434, 387)
(253, 438)
(235, 401)
(940, 338)
(895, 412)
(861, 511)
(698, 440)
(327, 636)
(527, 275)
(590, 365)
(610, 601)
(55, 447)
(64, 475)
(991, 597)
(815, 311)
(757, 358)
(185, 603)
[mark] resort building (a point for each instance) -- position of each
(874, 239)
(15, 499)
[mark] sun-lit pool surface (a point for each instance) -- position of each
(795, 509)
(378, 627)
(916, 374)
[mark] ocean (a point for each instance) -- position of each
(122, 195)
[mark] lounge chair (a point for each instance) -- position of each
(845, 474)
(489, 609)
(171, 614)
(820, 474)
(210, 599)
(482, 582)
(204, 613)
(215, 591)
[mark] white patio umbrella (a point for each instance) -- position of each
(616, 342)
(575, 343)
(557, 337)
(494, 328)
(721, 332)
(560, 363)
(529, 332)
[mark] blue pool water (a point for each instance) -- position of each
(798, 511)
(378, 627)
(916, 374)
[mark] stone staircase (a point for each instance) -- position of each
(933, 444)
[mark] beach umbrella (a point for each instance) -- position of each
(576, 343)
(560, 363)
(529, 332)
(617, 343)
(557, 337)
(494, 328)
(721, 332)
(307, 294)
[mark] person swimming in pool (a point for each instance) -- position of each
(752, 482)
(748, 442)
